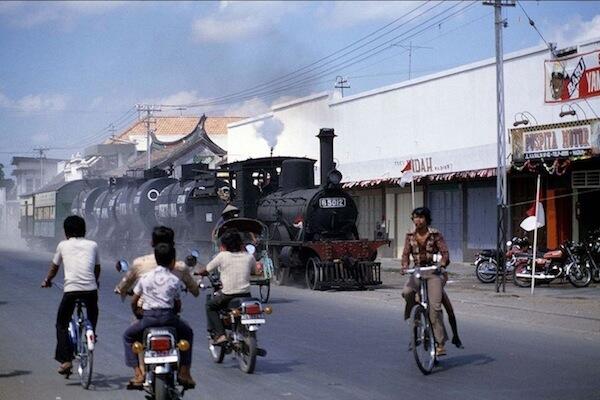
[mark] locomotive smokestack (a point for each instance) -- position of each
(326, 136)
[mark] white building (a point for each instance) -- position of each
(445, 123)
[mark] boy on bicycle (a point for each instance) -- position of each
(81, 263)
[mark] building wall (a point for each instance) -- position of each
(443, 113)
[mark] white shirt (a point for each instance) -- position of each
(79, 256)
(160, 288)
(234, 269)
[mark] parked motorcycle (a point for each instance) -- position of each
(241, 320)
(485, 263)
(593, 254)
(159, 356)
(565, 262)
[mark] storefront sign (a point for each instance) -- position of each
(572, 78)
(443, 162)
(560, 142)
(574, 139)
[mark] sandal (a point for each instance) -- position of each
(65, 368)
(135, 384)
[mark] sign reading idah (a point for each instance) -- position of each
(574, 139)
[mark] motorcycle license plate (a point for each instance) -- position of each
(253, 319)
(160, 358)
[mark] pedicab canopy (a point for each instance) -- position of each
(244, 225)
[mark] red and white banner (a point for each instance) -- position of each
(572, 78)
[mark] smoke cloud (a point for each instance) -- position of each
(270, 130)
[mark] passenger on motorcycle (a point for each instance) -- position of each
(423, 243)
(81, 262)
(161, 290)
(147, 263)
(235, 266)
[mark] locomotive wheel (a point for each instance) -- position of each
(313, 276)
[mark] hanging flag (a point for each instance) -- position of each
(407, 174)
(529, 223)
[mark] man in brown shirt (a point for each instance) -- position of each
(147, 263)
(423, 243)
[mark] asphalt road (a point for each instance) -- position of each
(321, 345)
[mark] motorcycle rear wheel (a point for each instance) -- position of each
(423, 341)
(518, 281)
(161, 388)
(580, 275)
(247, 353)
(485, 270)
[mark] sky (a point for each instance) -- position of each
(70, 70)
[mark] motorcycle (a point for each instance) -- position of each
(159, 359)
(242, 319)
(592, 255)
(485, 262)
(565, 262)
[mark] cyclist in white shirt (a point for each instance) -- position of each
(81, 263)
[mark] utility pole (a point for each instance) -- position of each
(501, 187)
(148, 109)
(41, 150)
(341, 83)
(112, 130)
(410, 48)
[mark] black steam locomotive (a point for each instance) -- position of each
(311, 229)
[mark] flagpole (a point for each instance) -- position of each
(535, 230)
(412, 192)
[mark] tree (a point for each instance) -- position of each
(1, 171)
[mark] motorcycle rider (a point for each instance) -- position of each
(423, 243)
(81, 262)
(235, 266)
(145, 264)
(161, 290)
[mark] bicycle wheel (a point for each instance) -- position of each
(86, 362)
(423, 341)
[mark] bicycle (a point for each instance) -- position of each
(423, 340)
(83, 340)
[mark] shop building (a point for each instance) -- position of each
(445, 125)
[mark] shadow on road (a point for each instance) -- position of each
(280, 301)
(474, 359)
(276, 367)
(16, 372)
(3, 302)
(104, 383)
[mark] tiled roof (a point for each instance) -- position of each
(218, 125)
(180, 126)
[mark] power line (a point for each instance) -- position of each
(365, 55)
(299, 70)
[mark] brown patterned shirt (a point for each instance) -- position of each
(423, 255)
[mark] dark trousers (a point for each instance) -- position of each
(216, 303)
(64, 351)
(152, 318)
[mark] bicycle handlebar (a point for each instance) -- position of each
(423, 269)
